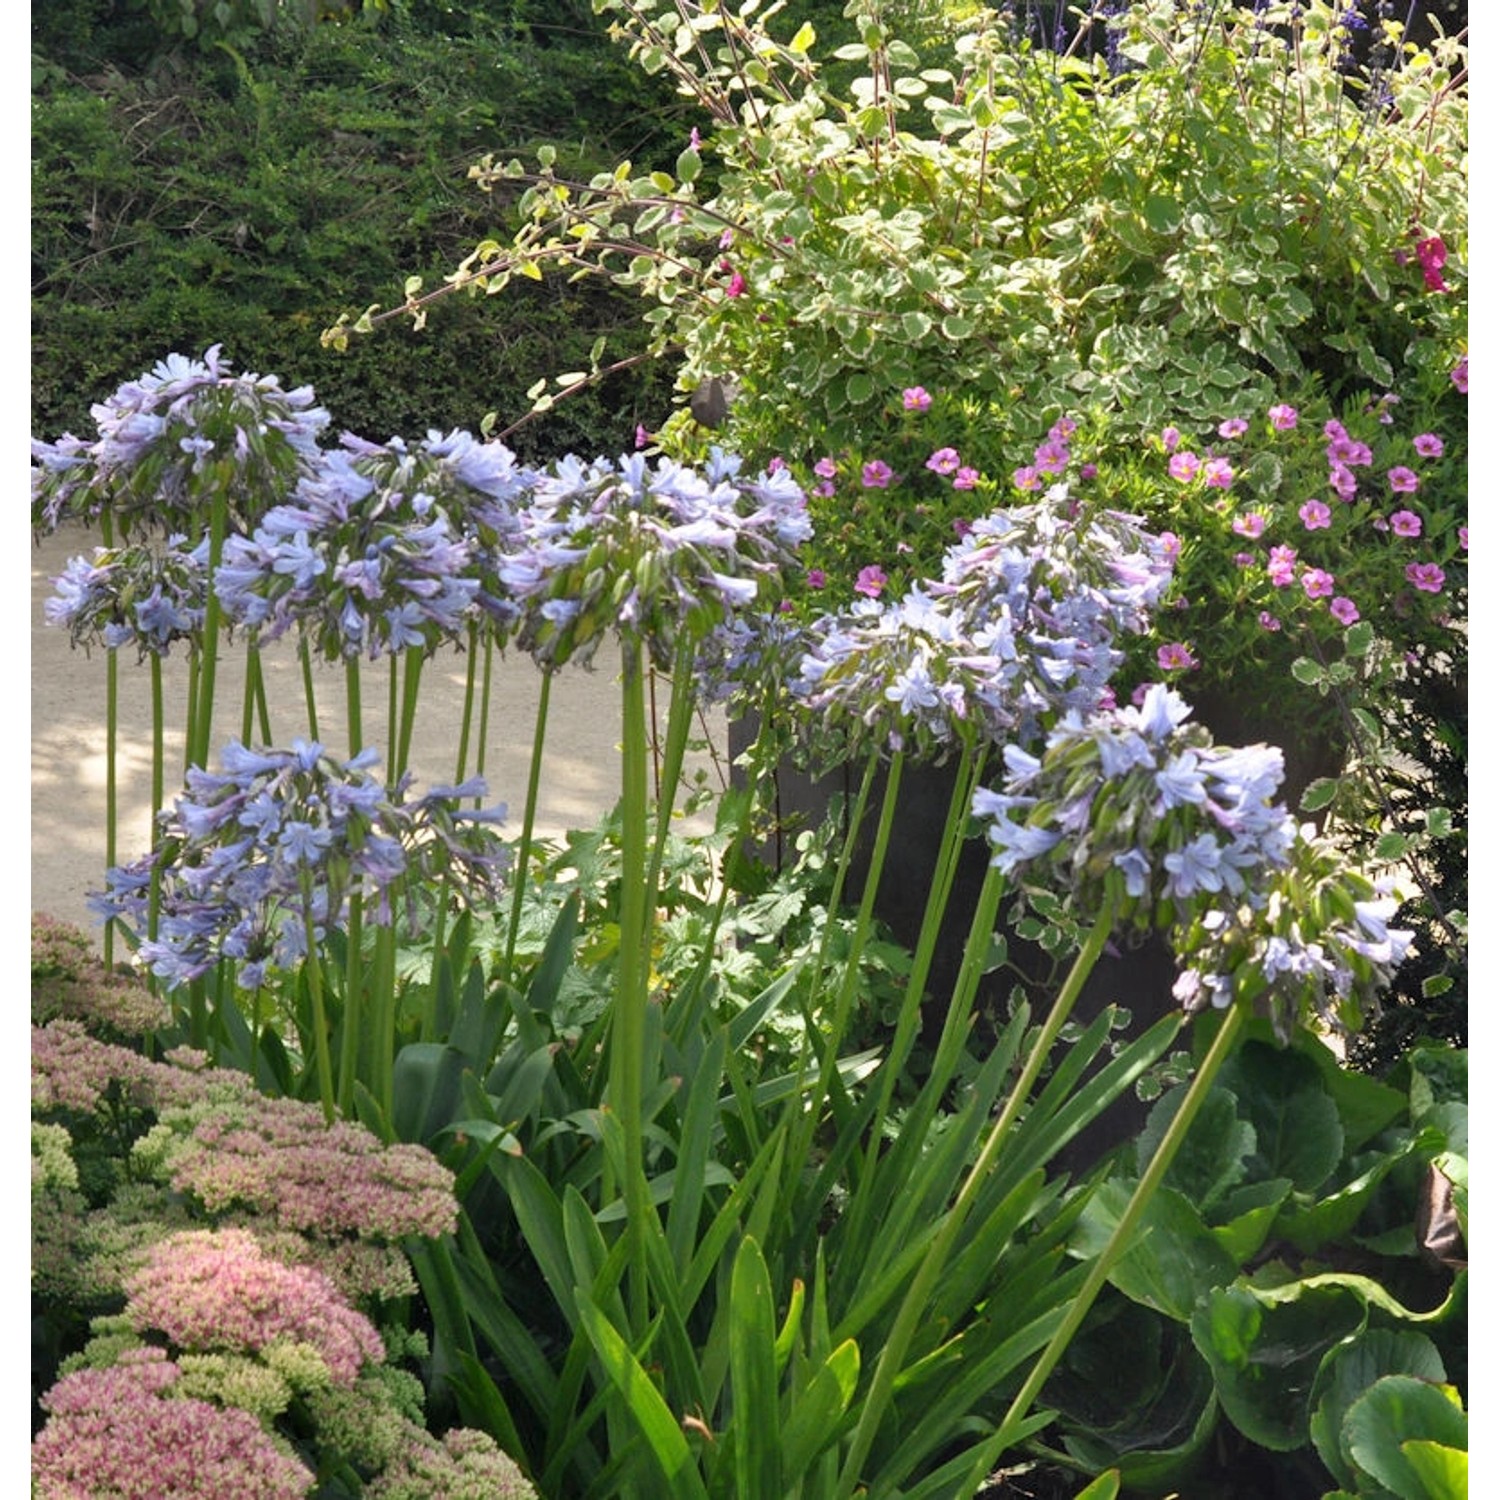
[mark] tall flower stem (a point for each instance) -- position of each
(628, 1023)
(1119, 1241)
(202, 728)
(312, 967)
(669, 774)
(354, 969)
(915, 1304)
(111, 782)
(528, 821)
(304, 653)
(410, 688)
(471, 667)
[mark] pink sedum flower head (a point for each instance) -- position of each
(914, 398)
(1426, 576)
(1428, 444)
(1315, 515)
(1317, 584)
(876, 475)
(1283, 417)
(1406, 523)
(943, 461)
(1345, 611)
(1402, 480)
(871, 581)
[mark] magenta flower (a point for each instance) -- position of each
(1217, 473)
(1283, 417)
(966, 479)
(1183, 466)
(1026, 479)
(1171, 545)
(1243, 559)
(1175, 657)
(825, 468)
(642, 437)
(816, 578)
(1345, 485)
(1425, 576)
(1250, 525)
(1428, 444)
(1317, 584)
(1348, 450)
(877, 475)
(871, 581)
(1432, 256)
(1459, 375)
(1170, 437)
(736, 287)
(1345, 611)
(1051, 457)
(1315, 515)
(1402, 480)
(944, 461)
(823, 487)
(1281, 565)
(1406, 523)
(914, 398)
(1268, 621)
(1062, 429)
(1463, 537)
(1088, 471)
(1233, 427)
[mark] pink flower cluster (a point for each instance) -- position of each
(1432, 256)
(1051, 456)
(119, 1432)
(215, 1290)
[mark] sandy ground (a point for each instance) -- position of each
(579, 779)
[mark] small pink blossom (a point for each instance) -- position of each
(1171, 545)
(1088, 471)
(1428, 444)
(1315, 515)
(1183, 466)
(736, 287)
(1345, 611)
(871, 581)
(642, 437)
(1283, 417)
(1170, 437)
(1425, 576)
(1250, 525)
(726, 239)
(816, 578)
(1432, 256)
(1217, 473)
(1463, 537)
(825, 468)
(824, 487)
(944, 461)
(1402, 480)
(966, 478)
(1333, 428)
(1175, 657)
(1345, 485)
(1268, 621)
(1062, 429)
(876, 475)
(1348, 450)
(1406, 523)
(1233, 427)
(1317, 584)
(914, 398)
(694, 139)
(1026, 479)
(962, 527)
(1459, 375)
(1243, 559)
(1051, 457)
(1281, 566)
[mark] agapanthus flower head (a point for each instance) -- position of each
(148, 596)
(278, 839)
(170, 441)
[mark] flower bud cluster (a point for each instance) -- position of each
(138, 595)
(1020, 627)
(280, 840)
(1134, 810)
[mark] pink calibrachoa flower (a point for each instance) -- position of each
(1333, 428)
(1051, 457)
(963, 527)
(1281, 565)
(1345, 611)
(736, 286)
(1170, 437)
(966, 478)
(1088, 471)
(1432, 256)
(1233, 427)
(876, 475)
(1026, 479)
(642, 437)
(1062, 429)
(1217, 473)
(1345, 485)
(1459, 375)
(1426, 576)
(826, 468)
(1348, 450)
(1171, 545)
(1317, 584)
(1401, 480)
(1175, 657)
(871, 581)
(1315, 515)
(1268, 621)
(1244, 559)
(914, 398)
(824, 487)
(1251, 525)
(1283, 417)
(1463, 537)
(944, 461)
(816, 578)
(1406, 523)
(1428, 444)
(1183, 466)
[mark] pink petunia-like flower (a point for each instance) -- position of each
(1402, 480)
(1051, 457)
(914, 398)
(816, 578)
(871, 581)
(1345, 611)
(1217, 473)
(1250, 525)
(1283, 417)
(1183, 466)
(1333, 428)
(1268, 621)
(1428, 444)
(1317, 584)
(1170, 437)
(966, 478)
(1315, 515)
(876, 475)
(736, 286)
(1348, 450)
(1406, 523)
(1062, 429)
(1426, 576)
(1244, 559)
(944, 461)
(1344, 484)
(824, 487)
(1026, 479)
(1088, 471)
(1233, 427)
(1432, 256)
(642, 437)
(1175, 657)
(1463, 537)
(1171, 545)
(1281, 566)
(826, 468)
(1459, 375)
